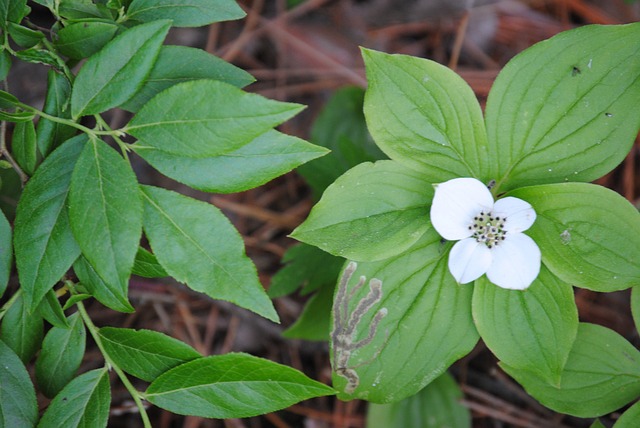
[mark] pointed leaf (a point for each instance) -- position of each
(185, 13)
(372, 212)
(263, 159)
(44, 245)
(51, 310)
(110, 295)
(84, 402)
(82, 39)
(423, 324)
(424, 115)
(589, 236)
(629, 418)
(602, 374)
(314, 323)
(206, 118)
(51, 134)
(61, 355)
(205, 387)
(564, 109)
(21, 330)
(18, 405)
(6, 252)
(23, 146)
(145, 354)
(531, 329)
(147, 265)
(113, 75)
(197, 245)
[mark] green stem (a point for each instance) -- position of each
(93, 330)
(72, 123)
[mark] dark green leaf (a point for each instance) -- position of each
(82, 39)
(110, 295)
(6, 252)
(206, 118)
(51, 134)
(205, 387)
(61, 355)
(51, 310)
(18, 405)
(38, 55)
(314, 323)
(176, 64)
(197, 245)
(12, 11)
(5, 64)
(82, 10)
(24, 147)
(145, 354)
(21, 330)
(629, 418)
(268, 156)
(113, 75)
(84, 402)
(185, 13)
(147, 265)
(8, 100)
(23, 36)
(44, 245)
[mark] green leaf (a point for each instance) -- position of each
(261, 160)
(147, 265)
(425, 116)
(305, 266)
(75, 299)
(176, 64)
(21, 330)
(145, 354)
(205, 387)
(565, 109)
(426, 324)
(314, 323)
(84, 402)
(17, 116)
(37, 55)
(635, 306)
(51, 310)
(105, 212)
(629, 418)
(5, 64)
(115, 73)
(82, 39)
(6, 252)
(436, 406)
(589, 236)
(372, 212)
(597, 424)
(18, 404)
(532, 329)
(8, 100)
(12, 11)
(24, 147)
(197, 245)
(82, 10)
(602, 374)
(61, 355)
(23, 36)
(185, 13)
(44, 245)
(51, 134)
(110, 295)
(206, 118)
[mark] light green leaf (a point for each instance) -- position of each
(84, 402)
(176, 64)
(205, 387)
(206, 118)
(425, 324)
(51, 310)
(197, 245)
(145, 354)
(110, 295)
(51, 134)
(147, 265)
(113, 75)
(372, 212)
(261, 160)
(61, 355)
(314, 322)
(6, 252)
(82, 39)
(21, 330)
(24, 147)
(185, 13)
(602, 374)
(589, 236)
(425, 116)
(436, 406)
(105, 212)
(531, 329)
(565, 109)
(18, 404)
(629, 418)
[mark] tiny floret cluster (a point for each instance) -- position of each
(489, 234)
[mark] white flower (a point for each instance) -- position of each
(489, 235)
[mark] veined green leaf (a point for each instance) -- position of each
(565, 109)
(145, 354)
(12, 11)
(24, 147)
(110, 295)
(147, 265)
(51, 310)
(51, 134)
(185, 13)
(197, 245)
(113, 75)
(6, 252)
(206, 118)
(205, 387)
(18, 404)
(589, 236)
(531, 329)
(261, 160)
(372, 212)
(82, 39)
(21, 330)
(424, 115)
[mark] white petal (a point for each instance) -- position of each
(469, 260)
(455, 203)
(516, 262)
(520, 214)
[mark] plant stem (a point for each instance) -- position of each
(135, 394)
(9, 303)
(3, 147)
